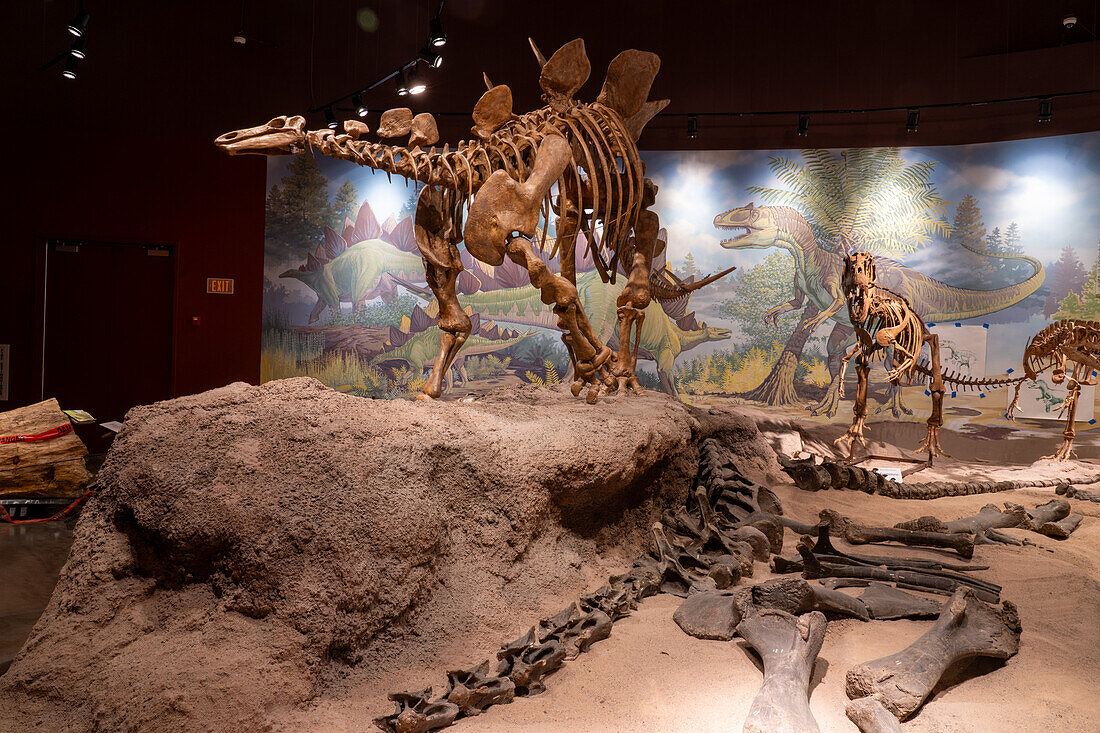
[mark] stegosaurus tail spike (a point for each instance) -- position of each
(538, 54)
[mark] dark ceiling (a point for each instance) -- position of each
(170, 67)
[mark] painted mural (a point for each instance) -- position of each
(988, 242)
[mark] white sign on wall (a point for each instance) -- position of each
(962, 349)
(5, 369)
(1041, 399)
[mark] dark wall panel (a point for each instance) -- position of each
(140, 189)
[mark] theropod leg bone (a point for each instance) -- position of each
(966, 628)
(788, 647)
(856, 534)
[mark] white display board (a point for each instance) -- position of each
(1041, 399)
(962, 349)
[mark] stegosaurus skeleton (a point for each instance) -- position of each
(502, 181)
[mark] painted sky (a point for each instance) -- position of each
(1049, 186)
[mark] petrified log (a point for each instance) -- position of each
(870, 717)
(886, 602)
(858, 535)
(966, 628)
(1062, 528)
(46, 467)
(788, 646)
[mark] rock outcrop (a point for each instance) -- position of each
(249, 542)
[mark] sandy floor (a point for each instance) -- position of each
(650, 676)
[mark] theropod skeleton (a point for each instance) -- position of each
(1076, 342)
(501, 184)
(884, 319)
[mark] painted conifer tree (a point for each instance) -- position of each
(1064, 277)
(345, 204)
(298, 209)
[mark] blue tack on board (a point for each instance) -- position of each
(953, 394)
(1010, 371)
(957, 324)
(1092, 421)
(927, 392)
(982, 395)
(931, 325)
(985, 325)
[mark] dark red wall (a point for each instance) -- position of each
(141, 189)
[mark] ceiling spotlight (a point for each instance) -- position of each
(240, 39)
(330, 119)
(402, 82)
(436, 36)
(432, 58)
(1069, 20)
(79, 24)
(693, 128)
(416, 82)
(79, 49)
(1046, 110)
(803, 125)
(912, 120)
(361, 110)
(69, 70)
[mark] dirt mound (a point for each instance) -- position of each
(250, 543)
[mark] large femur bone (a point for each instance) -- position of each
(967, 627)
(788, 646)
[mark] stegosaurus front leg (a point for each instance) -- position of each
(635, 297)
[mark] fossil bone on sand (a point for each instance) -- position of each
(788, 646)
(967, 627)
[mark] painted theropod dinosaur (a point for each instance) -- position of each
(501, 184)
(818, 273)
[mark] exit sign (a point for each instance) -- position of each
(219, 285)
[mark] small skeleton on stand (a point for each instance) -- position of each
(882, 319)
(1077, 342)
